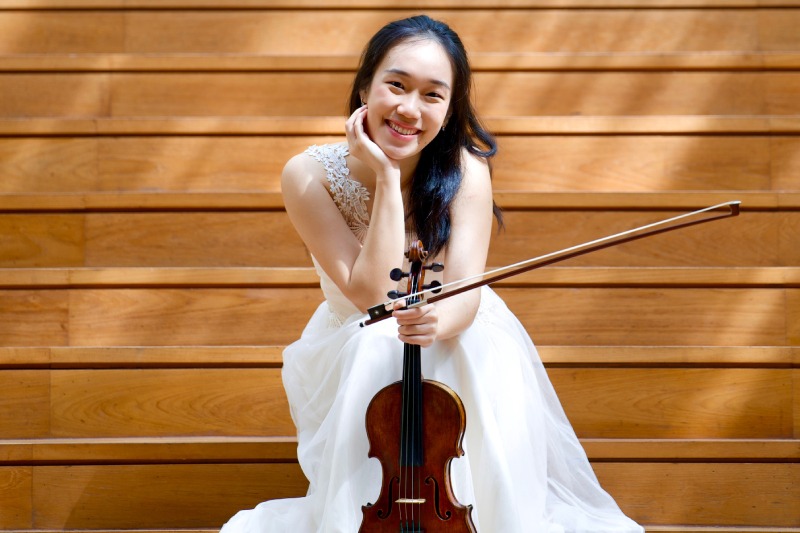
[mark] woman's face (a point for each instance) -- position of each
(409, 98)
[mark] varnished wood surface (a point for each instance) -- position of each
(544, 164)
(267, 239)
(614, 94)
(629, 403)
(226, 316)
(91, 497)
(516, 37)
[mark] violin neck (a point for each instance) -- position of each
(411, 423)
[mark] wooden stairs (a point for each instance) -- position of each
(149, 276)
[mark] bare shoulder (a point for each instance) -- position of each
(476, 178)
(300, 171)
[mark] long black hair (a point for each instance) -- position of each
(437, 177)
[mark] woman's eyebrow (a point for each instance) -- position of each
(402, 72)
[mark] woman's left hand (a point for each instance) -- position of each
(417, 325)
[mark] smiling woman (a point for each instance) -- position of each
(414, 165)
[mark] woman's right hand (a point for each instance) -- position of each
(364, 148)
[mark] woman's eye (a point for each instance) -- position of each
(396, 84)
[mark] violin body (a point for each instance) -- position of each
(415, 429)
(439, 511)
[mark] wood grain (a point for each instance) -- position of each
(184, 402)
(38, 318)
(24, 404)
(196, 495)
(677, 403)
(267, 239)
(615, 94)
(155, 496)
(542, 164)
(296, 32)
(229, 316)
(15, 491)
(718, 494)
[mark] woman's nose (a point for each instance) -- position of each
(409, 106)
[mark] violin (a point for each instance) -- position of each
(415, 429)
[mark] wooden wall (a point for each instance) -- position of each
(149, 277)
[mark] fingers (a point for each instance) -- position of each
(417, 325)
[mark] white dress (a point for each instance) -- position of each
(524, 469)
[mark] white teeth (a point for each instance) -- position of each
(400, 130)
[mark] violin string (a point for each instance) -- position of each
(564, 251)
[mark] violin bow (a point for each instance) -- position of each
(383, 311)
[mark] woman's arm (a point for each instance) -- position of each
(467, 250)
(358, 270)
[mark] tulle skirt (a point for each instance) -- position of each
(524, 469)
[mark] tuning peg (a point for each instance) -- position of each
(397, 274)
(396, 294)
(436, 267)
(435, 287)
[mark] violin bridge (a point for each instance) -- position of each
(418, 501)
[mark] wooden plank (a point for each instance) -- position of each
(24, 404)
(381, 4)
(509, 200)
(686, 403)
(615, 94)
(510, 61)
(152, 403)
(204, 450)
(334, 125)
(677, 403)
(497, 94)
(267, 239)
(536, 164)
(33, 318)
(38, 240)
(173, 317)
(206, 495)
(556, 316)
(715, 494)
(652, 317)
(319, 32)
(89, 357)
(161, 450)
(133, 277)
(677, 450)
(160, 238)
(15, 491)
(155, 496)
(751, 239)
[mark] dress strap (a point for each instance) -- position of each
(349, 195)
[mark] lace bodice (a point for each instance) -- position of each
(350, 196)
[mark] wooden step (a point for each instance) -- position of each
(229, 449)
(205, 495)
(614, 94)
(209, 238)
(311, 39)
(627, 402)
(558, 315)
(265, 277)
(383, 4)
(511, 200)
(240, 356)
(101, 167)
(334, 125)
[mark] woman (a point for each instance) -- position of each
(415, 165)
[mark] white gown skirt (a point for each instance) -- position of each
(524, 469)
